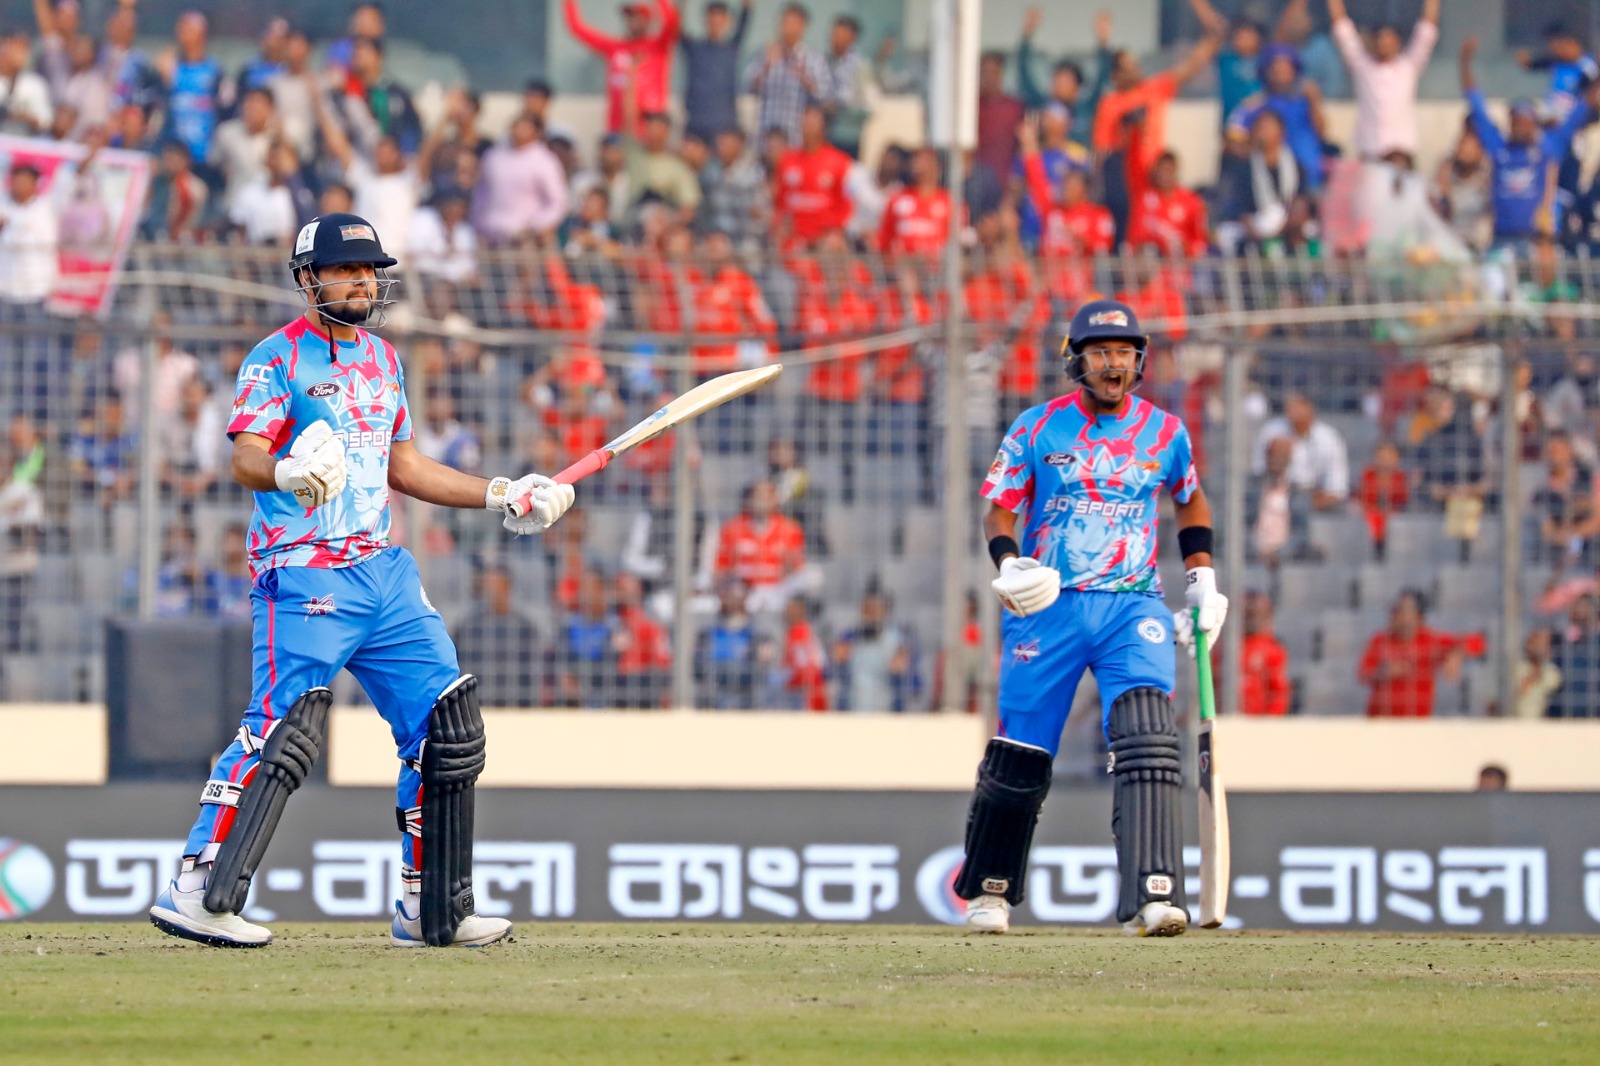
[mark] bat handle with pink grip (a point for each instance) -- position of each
(592, 463)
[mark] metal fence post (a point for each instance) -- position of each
(1511, 530)
(149, 500)
(683, 506)
(1235, 375)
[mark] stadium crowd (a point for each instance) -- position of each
(679, 221)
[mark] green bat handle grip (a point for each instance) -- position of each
(1202, 663)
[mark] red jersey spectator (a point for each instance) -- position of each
(1158, 296)
(1162, 212)
(805, 661)
(809, 198)
(1073, 228)
(1264, 660)
(836, 308)
(644, 653)
(1003, 301)
(916, 221)
(1385, 489)
(898, 376)
(1133, 92)
(759, 545)
(728, 303)
(999, 115)
(641, 62)
(1401, 662)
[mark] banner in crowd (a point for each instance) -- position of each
(1412, 862)
(98, 196)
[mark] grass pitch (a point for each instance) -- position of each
(748, 994)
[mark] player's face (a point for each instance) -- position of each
(349, 292)
(1110, 370)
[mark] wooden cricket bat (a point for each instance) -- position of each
(1215, 858)
(692, 404)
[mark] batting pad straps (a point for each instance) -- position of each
(291, 749)
(1012, 782)
(1146, 818)
(452, 759)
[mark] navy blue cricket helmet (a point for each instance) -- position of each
(1103, 320)
(334, 240)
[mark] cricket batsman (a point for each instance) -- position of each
(322, 432)
(1082, 591)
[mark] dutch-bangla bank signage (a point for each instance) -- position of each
(1395, 862)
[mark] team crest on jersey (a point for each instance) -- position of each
(1025, 651)
(1152, 630)
(321, 389)
(320, 605)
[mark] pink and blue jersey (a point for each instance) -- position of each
(1087, 486)
(291, 380)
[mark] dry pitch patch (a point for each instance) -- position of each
(748, 994)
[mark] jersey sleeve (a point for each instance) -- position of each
(402, 414)
(261, 397)
(1009, 483)
(1182, 480)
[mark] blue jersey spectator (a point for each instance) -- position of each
(194, 87)
(1296, 102)
(1525, 159)
(1572, 69)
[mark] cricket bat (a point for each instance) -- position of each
(1215, 859)
(692, 404)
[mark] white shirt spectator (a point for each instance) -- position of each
(29, 250)
(1320, 461)
(1386, 93)
(867, 200)
(439, 250)
(297, 115)
(173, 369)
(520, 190)
(265, 212)
(240, 155)
(388, 201)
(25, 103)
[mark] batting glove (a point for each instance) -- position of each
(1025, 586)
(539, 500)
(315, 469)
(1202, 599)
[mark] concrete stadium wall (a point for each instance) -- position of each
(66, 745)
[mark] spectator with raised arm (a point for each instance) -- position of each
(711, 72)
(1239, 60)
(1385, 80)
(1525, 158)
(788, 75)
(1073, 224)
(1058, 157)
(1162, 213)
(388, 189)
(1067, 85)
(1572, 68)
(638, 64)
(1132, 91)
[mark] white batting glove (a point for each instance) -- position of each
(550, 501)
(315, 469)
(1025, 586)
(1201, 594)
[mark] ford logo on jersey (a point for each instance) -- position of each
(1060, 459)
(321, 389)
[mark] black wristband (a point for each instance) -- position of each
(1194, 540)
(1001, 546)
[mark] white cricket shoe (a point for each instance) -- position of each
(474, 931)
(1157, 918)
(988, 914)
(184, 914)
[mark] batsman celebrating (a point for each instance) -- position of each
(1082, 592)
(321, 432)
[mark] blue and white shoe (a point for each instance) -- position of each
(474, 931)
(183, 914)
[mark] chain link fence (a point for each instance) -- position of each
(789, 551)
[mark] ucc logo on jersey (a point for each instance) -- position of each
(322, 389)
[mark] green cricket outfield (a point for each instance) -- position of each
(97, 993)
